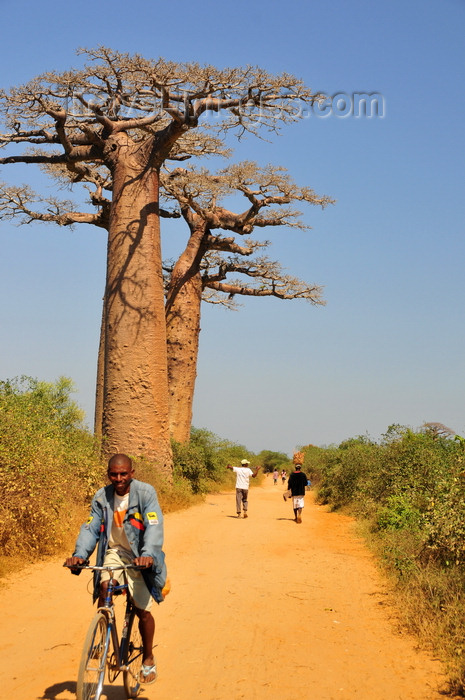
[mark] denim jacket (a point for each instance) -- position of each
(143, 525)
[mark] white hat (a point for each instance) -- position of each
(245, 461)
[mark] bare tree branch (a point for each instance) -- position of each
(269, 276)
(200, 195)
(115, 92)
(16, 203)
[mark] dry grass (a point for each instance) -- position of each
(430, 600)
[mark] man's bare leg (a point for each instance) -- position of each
(147, 632)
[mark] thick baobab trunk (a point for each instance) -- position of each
(135, 388)
(183, 330)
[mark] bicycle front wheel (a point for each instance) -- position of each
(93, 660)
(133, 658)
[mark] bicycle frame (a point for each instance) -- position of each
(119, 647)
(116, 659)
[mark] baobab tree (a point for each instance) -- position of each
(119, 118)
(201, 271)
(437, 430)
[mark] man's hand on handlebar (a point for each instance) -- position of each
(144, 562)
(74, 563)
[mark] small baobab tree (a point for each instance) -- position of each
(212, 254)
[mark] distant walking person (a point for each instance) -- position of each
(296, 485)
(243, 475)
(283, 475)
(275, 477)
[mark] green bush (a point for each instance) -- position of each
(48, 464)
(202, 462)
(398, 514)
(270, 461)
(342, 474)
(445, 520)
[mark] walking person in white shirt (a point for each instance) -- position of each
(243, 474)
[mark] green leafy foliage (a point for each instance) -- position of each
(273, 460)
(202, 462)
(398, 513)
(410, 479)
(48, 464)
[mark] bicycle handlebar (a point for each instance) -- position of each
(112, 567)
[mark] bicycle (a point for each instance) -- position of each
(127, 653)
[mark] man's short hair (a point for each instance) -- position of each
(119, 459)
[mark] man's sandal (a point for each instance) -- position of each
(146, 671)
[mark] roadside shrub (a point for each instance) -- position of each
(49, 465)
(189, 465)
(202, 462)
(445, 520)
(172, 495)
(343, 474)
(398, 514)
(270, 461)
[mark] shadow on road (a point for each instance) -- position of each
(53, 691)
(110, 692)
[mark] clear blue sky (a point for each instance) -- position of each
(389, 345)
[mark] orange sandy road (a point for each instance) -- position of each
(260, 609)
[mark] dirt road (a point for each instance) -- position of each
(260, 609)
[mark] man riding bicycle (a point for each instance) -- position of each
(127, 524)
